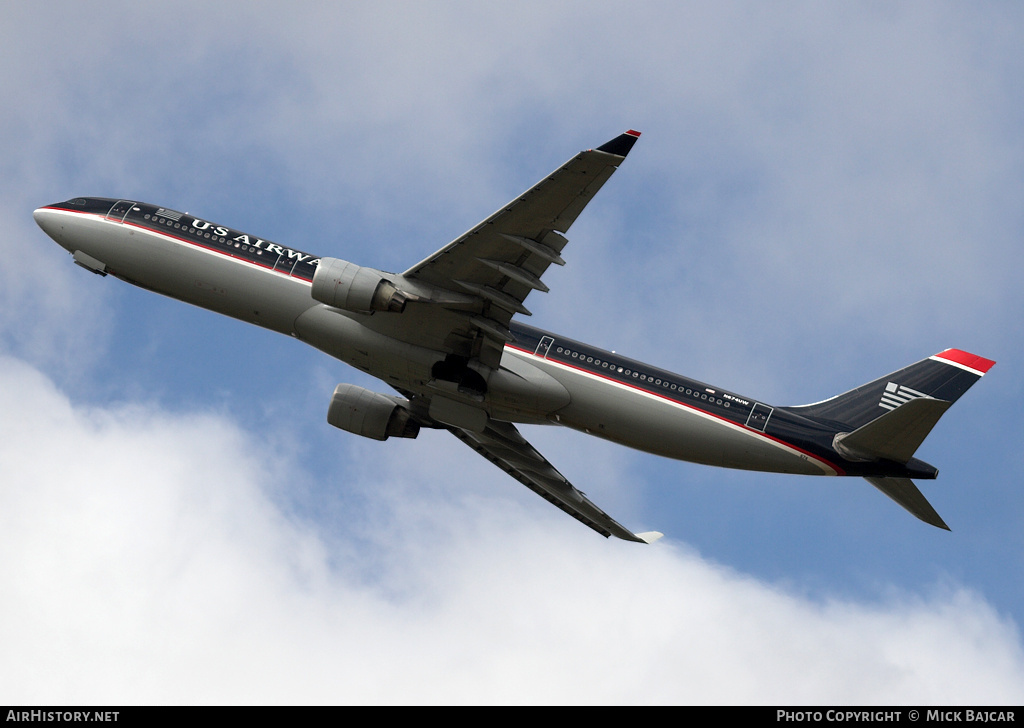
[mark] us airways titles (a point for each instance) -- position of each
(259, 244)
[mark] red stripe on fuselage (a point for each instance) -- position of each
(189, 241)
(225, 253)
(77, 212)
(757, 433)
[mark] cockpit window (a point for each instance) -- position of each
(78, 201)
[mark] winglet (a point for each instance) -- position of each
(649, 536)
(620, 145)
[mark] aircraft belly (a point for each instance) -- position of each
(661, 426)
(425, 325)
(214, 282)
(343, 336)
(522, 392)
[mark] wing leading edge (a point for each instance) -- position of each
(501, 443)
(502, 259)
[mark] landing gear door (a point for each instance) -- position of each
(120, 209)
(543, 346)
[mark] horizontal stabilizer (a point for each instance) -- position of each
(895, 435)
(904, 492)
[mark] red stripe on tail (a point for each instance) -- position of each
(963, 358)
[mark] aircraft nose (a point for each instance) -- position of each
(50, 223)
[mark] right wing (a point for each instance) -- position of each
(502, 259)
(501, 443)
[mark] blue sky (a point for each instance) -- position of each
(822, 194)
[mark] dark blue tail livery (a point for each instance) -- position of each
(945, 376)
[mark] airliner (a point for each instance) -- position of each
(441, 335)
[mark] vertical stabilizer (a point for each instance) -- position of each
(884, 422)
(945, 376)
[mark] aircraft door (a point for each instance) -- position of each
(285, 264)
(543, 346)
(119, 210)
(759, 415)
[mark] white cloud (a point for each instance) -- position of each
(144, 559)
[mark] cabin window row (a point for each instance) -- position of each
(665, 384)
(192, 231)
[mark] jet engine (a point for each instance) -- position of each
(352, 287)
(373, 415)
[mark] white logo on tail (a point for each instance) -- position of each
(895, 395)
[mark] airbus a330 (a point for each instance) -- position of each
(442, 335)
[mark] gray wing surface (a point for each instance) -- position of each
(502, 444)
(501, 260)
(495, 266)
(904, 492)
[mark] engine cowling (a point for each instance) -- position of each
(373, 415)
(355, 288)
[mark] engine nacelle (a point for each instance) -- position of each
(373, 415)
(352, 287)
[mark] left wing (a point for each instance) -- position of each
(501, 443)
(501, 260)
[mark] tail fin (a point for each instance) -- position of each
(889, 418)
(945, 376)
